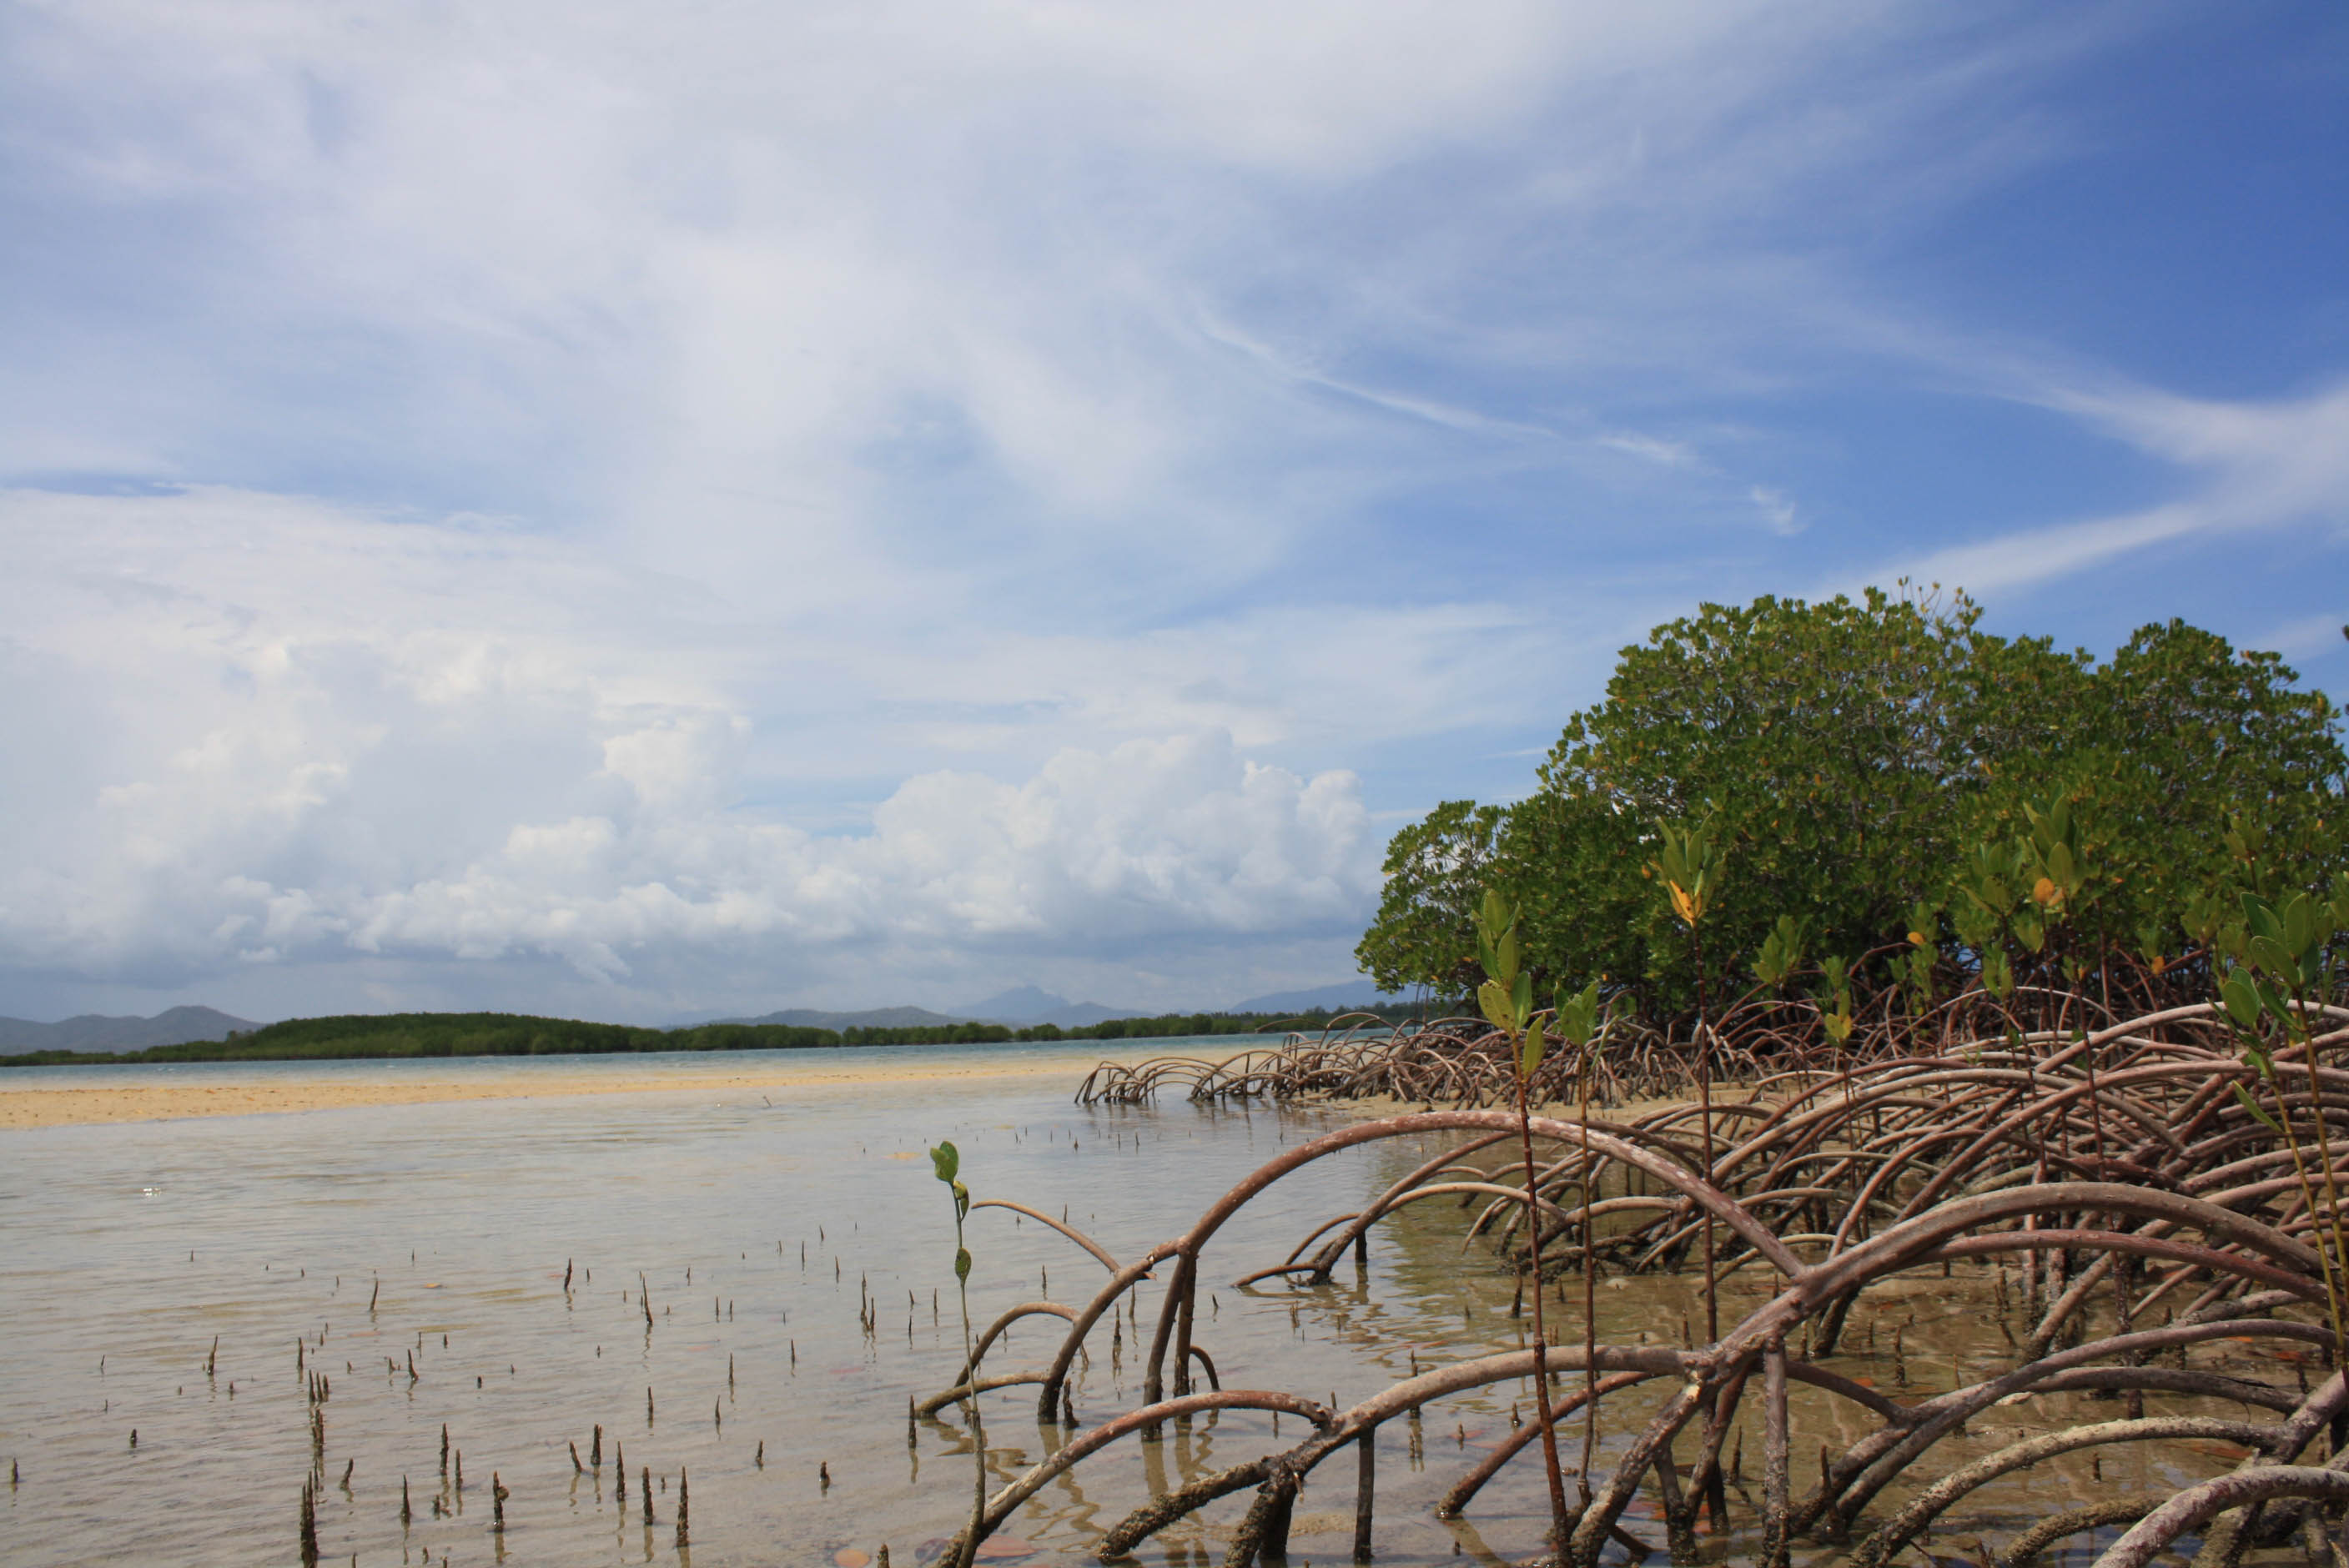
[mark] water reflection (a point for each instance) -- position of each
(735, 1260)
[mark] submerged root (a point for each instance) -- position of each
(2111, 1194)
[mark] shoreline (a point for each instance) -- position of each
(94, 1105)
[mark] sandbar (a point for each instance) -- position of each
(80, 1105)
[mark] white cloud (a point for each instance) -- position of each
(2035, 556)
(2266, 460)
(2254, 465)
(2308, 636)
(678, 761)
(484, 749)
(815, 304)
(835, 474)
(1777, 509)
(1652, 448)
(1153, 842)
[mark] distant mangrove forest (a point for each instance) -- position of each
(393, 1035)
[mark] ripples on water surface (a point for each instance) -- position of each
(293, 1219)
(758, 1218)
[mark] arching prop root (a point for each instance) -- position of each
(2119, 1200)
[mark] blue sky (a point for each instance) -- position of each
(632, 511)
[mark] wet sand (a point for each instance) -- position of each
(29, 1107)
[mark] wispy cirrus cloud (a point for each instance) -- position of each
(2247, 467)
(598, 497)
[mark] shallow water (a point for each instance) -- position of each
(759, 1221)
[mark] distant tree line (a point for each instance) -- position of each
(391, 1035)
(399, 1035)
(1167, 1026)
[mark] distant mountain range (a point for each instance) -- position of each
(1025, 1005)
(1028, 1004)
(1347, 994)
(873, 1018)
(93, 1032)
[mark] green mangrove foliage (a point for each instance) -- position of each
(1910, 803)
(2282, 966)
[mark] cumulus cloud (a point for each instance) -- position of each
(932, 483)
(1151, 841)
(473, 754)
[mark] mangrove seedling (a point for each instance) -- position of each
(946, 1161)
(1506, 998)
